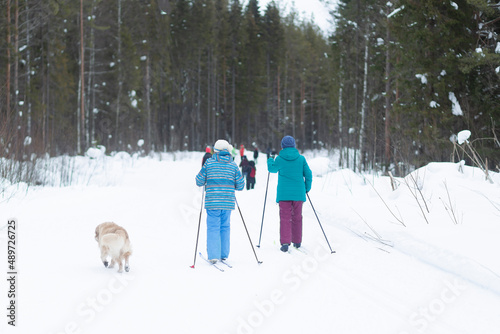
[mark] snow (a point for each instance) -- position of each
(463, 136)
(96, 152)
(419, 259)
(422, 77)
(394, 12)
(455, 105)
(433, 104)
(27, 141)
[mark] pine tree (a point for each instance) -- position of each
(273, 34)
(431, 38)
(253, 79)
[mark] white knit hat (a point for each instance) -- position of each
(222, 145)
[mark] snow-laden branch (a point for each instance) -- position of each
(395, 11)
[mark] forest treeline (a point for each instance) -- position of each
(393, 83)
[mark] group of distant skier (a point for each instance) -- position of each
(221, 176)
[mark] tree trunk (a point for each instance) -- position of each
(209, 114)
(302, 111)
(285, 121)
(363, 107)
(233, 102)
(147, 83)
(81, 128)
(7, 73)
(341, 144)
(198, 93)
(28, 71)
(387, 134)
(91, 105)
(16, 56)
(120, 79)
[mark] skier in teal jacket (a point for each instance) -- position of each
(294, 181)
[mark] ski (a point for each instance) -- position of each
(210, 263)
(227, 264)
(300, 249)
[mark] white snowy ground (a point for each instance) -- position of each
(437, 274)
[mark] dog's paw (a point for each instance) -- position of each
(127, 268)
(105, 263)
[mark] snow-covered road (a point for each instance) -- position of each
(435, 277)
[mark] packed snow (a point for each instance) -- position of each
(422, 258)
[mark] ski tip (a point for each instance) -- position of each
(191, 266)
(259, 262)
(333, 252)
(258, 246)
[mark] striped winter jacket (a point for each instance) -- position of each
(221, 176)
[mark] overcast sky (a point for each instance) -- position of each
(305, 8)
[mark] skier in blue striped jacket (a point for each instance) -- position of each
(221, 176)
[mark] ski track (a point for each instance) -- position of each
(64, 288)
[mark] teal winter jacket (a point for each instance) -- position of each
(294, 175)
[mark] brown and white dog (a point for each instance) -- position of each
(114, 242)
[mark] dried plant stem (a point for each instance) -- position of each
(449, 207)
(394, 185)
(364, 221)
(400, 220)
(476, 160)
(414, 194)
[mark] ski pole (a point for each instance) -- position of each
(264, 210)
(332, 251)
(198, 234)
(249, 239)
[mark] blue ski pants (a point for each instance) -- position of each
(218, 231)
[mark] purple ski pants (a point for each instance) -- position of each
(290, 222)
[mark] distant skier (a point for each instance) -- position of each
(244, 164)
(234, 152)
(242, 150)
(255, 154)
(208, 155)
(251, 175)
(268, 151)
(221, 176)
(294, 181)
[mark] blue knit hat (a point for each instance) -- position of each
(287, 141)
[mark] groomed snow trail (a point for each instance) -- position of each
(417, 282)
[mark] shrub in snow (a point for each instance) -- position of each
(463, 138)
